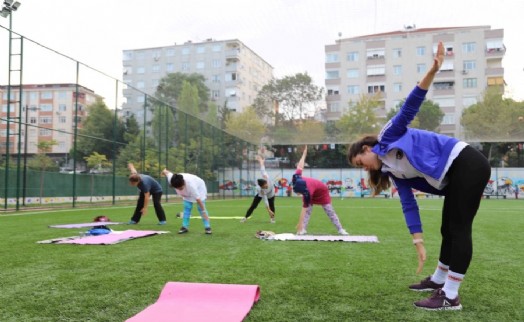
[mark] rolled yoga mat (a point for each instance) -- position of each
(200, 302)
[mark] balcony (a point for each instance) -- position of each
(495, 52)
(497, 71)
(232, 56)
(444, 88)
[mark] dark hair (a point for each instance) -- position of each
(135, 177)
(261, 182)
(177, 181)
(377, 180)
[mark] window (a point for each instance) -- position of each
(62, 119)
(46, 120)
(61, 145)
(156, 54)
(376, 70)
(334, 107)
(352, 73)
(156, 69)
(46, 107)
(140, 70)
(331, 57)
(375, 53)
(12, 108)
(230, 77)
(397, 87)
(140, 84)
(44, 132)
(469, 100)
(46, 95)
(421, 68)
(200, 49)
(444, 102)
(443, 85)
(62, 107)
(215, 78)
(447, 65)
(397, 52)
(332, 74)
(127, 55)
(353, 89)
(32, 96)
(217, 47)
(170, 67)
(352, 56)
(186, 51)
(216, 63)
(185, 66)
(140, 99)
(449, 118)
(215, 94)
(494, 45)
(421, 51)
(469, 65)
(333, 90)
(231, 92)
(154, 83)
(200, 65)
(170, 52)
(376, 89)
(397, 69)
(62, 94)
(469, 47)
(32, 120)
(469, 82)
(140, 55)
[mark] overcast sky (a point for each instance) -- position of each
(289, 34)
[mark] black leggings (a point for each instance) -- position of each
(255, 203)
(468, 176)
(161, 215)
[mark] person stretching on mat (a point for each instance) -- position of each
(435, 164)
(314, 192)
(192, 189)
(148, 187)
(265, 191)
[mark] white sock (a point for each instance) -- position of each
(452, 284)
(441, 273)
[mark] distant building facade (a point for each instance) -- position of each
(388, 66)
(49, 110)
(234, 73)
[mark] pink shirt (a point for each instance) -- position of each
(318, 191)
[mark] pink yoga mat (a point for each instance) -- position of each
(200, 302)
(112, 238)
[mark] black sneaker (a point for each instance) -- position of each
(426, 285)
(208, 231)
(438, 301)
(183, 230)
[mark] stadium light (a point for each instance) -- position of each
(9, 7)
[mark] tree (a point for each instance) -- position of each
(42, 162)
(246, 125)
(97, 132)
(294, 95)
(163, 126)
(428, 118)
(170, 88)
(360, 120)
(310, 131)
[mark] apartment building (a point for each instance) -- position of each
(388, 66)
(234, 73)
(49, 111)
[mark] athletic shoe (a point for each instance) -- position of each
(163, 222)
(208, 231)
(132, 222)
(272, 221)
(302, 232)
(183, 230)
(343, 232)
(439, 301)
(243, 220)
(426, 285)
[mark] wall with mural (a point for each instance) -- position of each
(505, 183)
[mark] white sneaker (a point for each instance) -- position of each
(243, 220)
(343, 232)
(272, 220)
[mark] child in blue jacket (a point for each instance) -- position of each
(435, 164)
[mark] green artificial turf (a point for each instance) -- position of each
(299, 281)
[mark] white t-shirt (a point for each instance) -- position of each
(195, 188)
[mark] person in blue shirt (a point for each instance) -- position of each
(148, 188)
(431, 163)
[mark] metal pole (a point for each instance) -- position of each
(24, 175)
(77, 94)
(114, 142)
(6, 180)
(144, 136)
(19, 127)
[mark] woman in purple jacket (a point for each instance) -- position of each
(435, 164)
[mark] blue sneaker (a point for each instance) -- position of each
(132, 222)
(163, 222)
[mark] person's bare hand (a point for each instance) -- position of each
(421, 251)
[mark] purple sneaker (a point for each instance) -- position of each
(426, 285)
(438, 301)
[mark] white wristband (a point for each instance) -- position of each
(417, 241)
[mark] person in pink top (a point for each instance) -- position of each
(314, 192)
